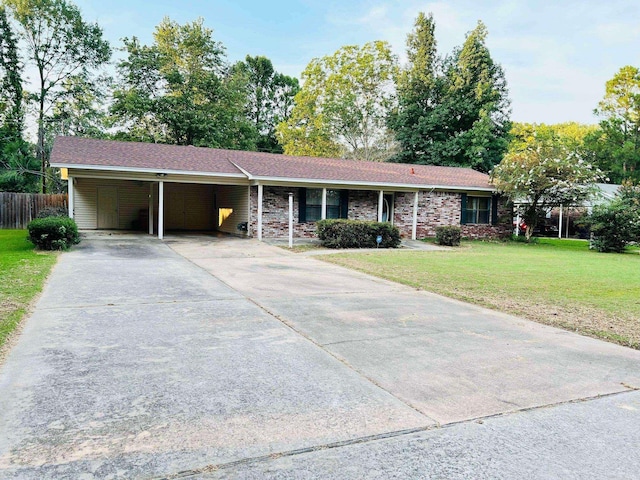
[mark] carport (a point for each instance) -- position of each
(155, 206)
(149, 188)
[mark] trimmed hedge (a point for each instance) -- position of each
(356, 234)
(53, 233)
(449, 236)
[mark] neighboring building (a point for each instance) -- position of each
(156, 187)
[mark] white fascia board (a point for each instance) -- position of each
(277, 181)
(154, 171)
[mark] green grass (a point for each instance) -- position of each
(557, 282)
(22, 274)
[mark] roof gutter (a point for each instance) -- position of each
(146, 170)
(377, 185)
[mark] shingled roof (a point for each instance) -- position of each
(77, 152)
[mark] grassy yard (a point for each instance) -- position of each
(22, 273)
(556, 282)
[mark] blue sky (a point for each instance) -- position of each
(557, 55)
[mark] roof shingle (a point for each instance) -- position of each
(79, 152)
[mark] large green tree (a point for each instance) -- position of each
(59, 45)
(452, 111)
(342, 106)
(18, 167)
(179, 90)
(617, 143)
(270, 97)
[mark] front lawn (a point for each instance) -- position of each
(22, 274)
(557, 282)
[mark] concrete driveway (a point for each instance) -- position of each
(213, 357)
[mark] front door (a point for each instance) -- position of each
(107, 207)
(387, 208)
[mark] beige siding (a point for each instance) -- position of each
(235, 201)
(85, 203)
(196, 205)
(133, 196)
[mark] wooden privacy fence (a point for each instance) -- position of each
(18, 209)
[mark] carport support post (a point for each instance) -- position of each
(323, 215)
(70, 189)
(414, 227)
(290, 219)
(260, 195)
(380, 205)
(151, 208)
(160, 210)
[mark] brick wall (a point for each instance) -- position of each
(434, 209)
(363, 205)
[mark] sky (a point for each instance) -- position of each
(557, 55)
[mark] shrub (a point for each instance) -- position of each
(53, 212)
(449, 236)
(53, 233)
(613, 226)
(356, 234)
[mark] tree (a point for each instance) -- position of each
(452, 111)
(60, 45)
(18, 166)
(11, 93)
(80, 109)
(343, 104)
(543, 174)
(179, 90)
(269, 99)
(617, 144)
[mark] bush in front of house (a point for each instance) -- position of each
(356, 234)
(449, 236)
(53, 233)
(53, 212)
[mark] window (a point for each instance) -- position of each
(314, 204)
(311, 204)
(478, 209)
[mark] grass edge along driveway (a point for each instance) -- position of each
(23, 271)
(556, 282)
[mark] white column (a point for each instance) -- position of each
(560, 223)
(70, 191)
(380, 205)
(323, 215)
(567, 235)
(516, 231)
(160, 210)
(260, 195)
(290, 220)
(151, 208)
(414, 228)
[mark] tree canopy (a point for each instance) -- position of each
(270, 99)
(452, 110)
(617, 143)
(60, 45)
(179, 90)
(342, 106)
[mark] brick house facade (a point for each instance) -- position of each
(435, 209)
